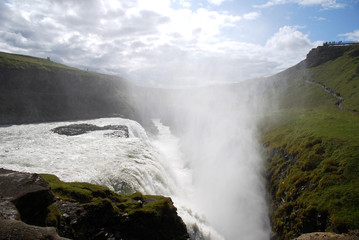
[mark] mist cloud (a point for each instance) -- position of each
(151, 44)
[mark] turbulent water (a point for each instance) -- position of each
(152, 165)
(137, 163)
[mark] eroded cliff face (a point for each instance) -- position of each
(310, 190)
(53, 94)
(44, 209)
(324, 54)
(36, 90)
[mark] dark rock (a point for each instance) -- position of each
(17, 230)
(328, 236)
(119, 134)
(101, 221)
(8, 210)
(77, 129)
(324, 54)
(24, 194)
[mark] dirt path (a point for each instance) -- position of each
(337, 95)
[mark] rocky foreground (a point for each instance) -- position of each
(37, 207)
(328, 236)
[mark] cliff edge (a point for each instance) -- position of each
(39, 207)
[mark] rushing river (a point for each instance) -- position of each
(137, 163)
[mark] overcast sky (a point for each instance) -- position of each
(168, 43)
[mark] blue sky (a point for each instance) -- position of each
(169, 43)
(321, 20)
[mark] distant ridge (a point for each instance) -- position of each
(339, 43)
(36, 90)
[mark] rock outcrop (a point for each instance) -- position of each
(18, 230)
(324, 54)
(36, 207)
(77, 129)
(328, 236)
(87, 211)
(25, 197)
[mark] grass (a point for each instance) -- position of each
(16, 61)
(312, 149)
(341, 75)
(10, 62)
(324, 178)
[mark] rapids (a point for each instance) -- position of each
(152, 165)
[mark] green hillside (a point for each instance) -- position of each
(36, 90)
(312, 146)
(17, 61)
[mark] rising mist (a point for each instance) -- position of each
(218, 131)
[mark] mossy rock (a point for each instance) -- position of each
(84, 210)
(53, 216)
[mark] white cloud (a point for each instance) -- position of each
(251, 15)
(352, 36)
(216, 2)
(229, 61)
(319, 18)
(288, 38)
(289, 43)
(144, 43)
(200, 25)
(185, 4)
(325, 4)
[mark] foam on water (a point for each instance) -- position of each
(125, 165)
(90, 157)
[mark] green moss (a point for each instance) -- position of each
(75, 191)
(100, 198)
(53, 217)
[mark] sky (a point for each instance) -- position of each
(176, 43)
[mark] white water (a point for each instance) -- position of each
(218, 128)
(136, 163)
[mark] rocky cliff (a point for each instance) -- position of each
(324, 54)
(35, 90)
(39, 90)
(40, 207)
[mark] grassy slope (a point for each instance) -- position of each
(17, 61)
(313, 148)
(24, 62)
(34, 89)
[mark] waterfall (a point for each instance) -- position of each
(212, 173)
(151, 166)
